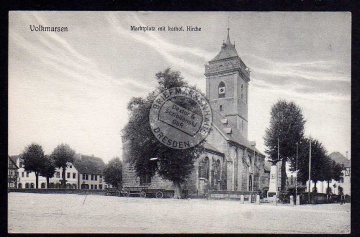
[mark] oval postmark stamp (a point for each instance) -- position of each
(180, 117)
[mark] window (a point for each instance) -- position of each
(100, 186)
(242, 91)
(100, 176)
(341, 180)
(95, 176)
(85, 177)
(221, 108)
(21, 165)
(27, 173)
(221, 90)
(217, 171)
(57, 174)
(92, 177)
(95, 186)
(27, 185)
(92, 187)
(145, 179)
(22, 174)
(62, 175)
(70, 166)
(74, 175)
(204, 167)
(68, 175)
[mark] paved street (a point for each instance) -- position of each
(70, 213)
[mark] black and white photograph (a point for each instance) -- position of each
(179, 122)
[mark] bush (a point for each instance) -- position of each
(284, 197)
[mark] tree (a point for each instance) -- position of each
(33, 157)
(333, 171)
(63, 155)
(285, 131)
(48, 169)
(113, 172)
(319, 162)
(141, 145)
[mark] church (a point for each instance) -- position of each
(231, 162)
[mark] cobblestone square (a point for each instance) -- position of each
(70, 213)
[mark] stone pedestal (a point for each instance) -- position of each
(257, 199)
(242, 199)
(291, 200)
(298, 200)
(273, 184)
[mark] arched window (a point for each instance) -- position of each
(84, 186)
(74, 186)
(221, 90)
(217, 171)
(27, 185)
(204, 167)
(31, 185)
(20, 185)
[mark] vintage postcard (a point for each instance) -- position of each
(179, 122)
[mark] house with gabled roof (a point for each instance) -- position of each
(345, 179)
(90, 170)
(12, 173)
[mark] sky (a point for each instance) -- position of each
(73, 87)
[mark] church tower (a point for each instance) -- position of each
(227, 84)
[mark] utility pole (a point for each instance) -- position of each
(309, 168)
(277, 166)
(296, 165)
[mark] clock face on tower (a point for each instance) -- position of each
(221, 90)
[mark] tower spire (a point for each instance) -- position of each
(228, 42)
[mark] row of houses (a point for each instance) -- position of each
(86, 172)
(321, 186)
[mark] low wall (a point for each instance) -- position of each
(235, 195)
(54, 190)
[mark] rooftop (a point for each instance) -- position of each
(340, 159)
(235, 135)
(89, 164)
(227, 50)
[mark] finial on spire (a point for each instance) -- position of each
(228, 42)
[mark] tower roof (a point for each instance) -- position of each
(227, 50)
